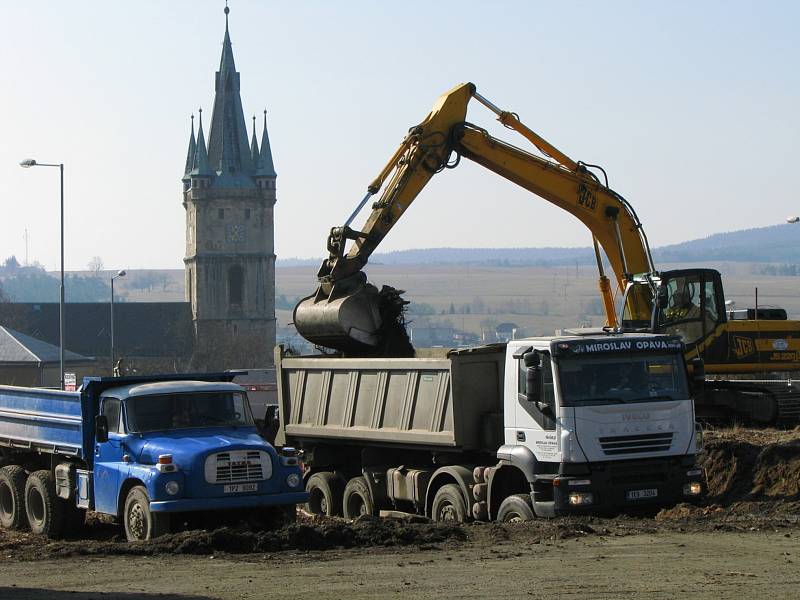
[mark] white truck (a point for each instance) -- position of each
(536, 427)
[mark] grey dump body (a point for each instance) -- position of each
(453, 402)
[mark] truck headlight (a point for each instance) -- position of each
(581, 498)
(695, 488)
(293, 480)
(172, 487)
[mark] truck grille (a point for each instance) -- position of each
(632, 444)
(238, 466)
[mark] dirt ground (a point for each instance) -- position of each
(743, 540)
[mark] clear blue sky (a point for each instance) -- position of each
(692, 108)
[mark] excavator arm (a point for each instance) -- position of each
(349, 314)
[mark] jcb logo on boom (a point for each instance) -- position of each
(743, 346)
(586, 198)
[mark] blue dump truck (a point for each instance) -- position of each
(141, 449)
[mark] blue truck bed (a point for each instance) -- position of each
(43, 420)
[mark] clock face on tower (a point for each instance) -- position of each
(234, 233)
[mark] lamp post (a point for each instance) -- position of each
(27, 163)
(119, 274)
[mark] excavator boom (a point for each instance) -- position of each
(347, 313)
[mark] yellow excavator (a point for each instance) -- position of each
(348, 314)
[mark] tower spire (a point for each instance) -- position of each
(190, 152)
(228, 151)
(200, 164)
(254, 146)
(266, 168)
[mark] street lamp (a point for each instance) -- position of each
(27, 163)
(119, 274)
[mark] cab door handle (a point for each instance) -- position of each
(520, 436)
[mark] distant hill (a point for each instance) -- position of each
(777, 243)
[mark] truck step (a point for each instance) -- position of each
(545, 510)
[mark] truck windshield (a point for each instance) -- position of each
(618, 379)
(185, 411)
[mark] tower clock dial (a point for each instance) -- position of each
(234, 233)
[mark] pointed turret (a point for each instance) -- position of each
(228, 150)
(200, 165)
(266, 168)
(190, 153)
(254, 146)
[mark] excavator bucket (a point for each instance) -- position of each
(345, 319)
(356, 318)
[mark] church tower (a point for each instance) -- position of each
(229, 196)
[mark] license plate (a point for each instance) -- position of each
(238, 488)
(641, 494)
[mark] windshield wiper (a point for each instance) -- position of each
(652, 398)
(600, 400)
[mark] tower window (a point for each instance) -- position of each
(235, 287)
(221, 213)
(246, 213)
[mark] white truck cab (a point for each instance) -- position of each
(600, 421)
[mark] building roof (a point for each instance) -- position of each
(18, 348)
(143, 329)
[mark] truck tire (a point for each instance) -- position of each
(515, 509)
(141, 524)
(356, 500)
(44, 508)
(448, 505)
(12, 497)
(326, 494)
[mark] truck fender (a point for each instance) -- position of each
(458, 474)
(126, 487)
(505, 480)
(520, 457)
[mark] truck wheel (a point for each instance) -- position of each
(448, 505)
(12, 497)
(356, 500)
(140, 523)
(44, 508)
(325, 494)
(515, 509)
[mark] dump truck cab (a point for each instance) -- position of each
(584, 415)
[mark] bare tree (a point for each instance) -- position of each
(96, 265)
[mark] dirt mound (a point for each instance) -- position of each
(367, 531)
(763, 467)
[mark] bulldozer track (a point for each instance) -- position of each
(742, 393)
(788, 401)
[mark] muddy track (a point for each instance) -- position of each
(753, 485)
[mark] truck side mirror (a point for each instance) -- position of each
(101, 429)
(662, 298)
(532, 359)
(532, 385)
(532, 363)
(698, 371)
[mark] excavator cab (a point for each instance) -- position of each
(689, 303)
